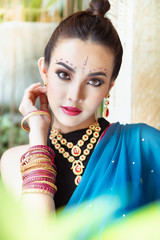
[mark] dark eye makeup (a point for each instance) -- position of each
(63, 75)
(95, 82)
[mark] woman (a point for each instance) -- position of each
(80, 65)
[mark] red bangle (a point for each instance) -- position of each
(37, 154)
(39, 172)
(43, 186)
(38, 147)
(43, 147)
(38, 178)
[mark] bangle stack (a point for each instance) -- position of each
(38, 170)
(31, 114)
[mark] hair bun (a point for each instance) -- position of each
(98, 7)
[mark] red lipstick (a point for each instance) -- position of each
(71, 110)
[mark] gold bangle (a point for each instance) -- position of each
(27, 170)
(32, 166)
(31, 114)
(33, 190)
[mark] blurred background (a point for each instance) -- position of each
(25, 27)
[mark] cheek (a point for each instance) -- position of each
(96, 100)
(55, 93)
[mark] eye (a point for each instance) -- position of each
(63, 75)
(95, 82)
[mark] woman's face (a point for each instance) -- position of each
(79, 77)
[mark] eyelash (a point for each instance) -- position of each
(91, 82)
(59, 72)
(100, 82)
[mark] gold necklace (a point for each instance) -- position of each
(75, 150)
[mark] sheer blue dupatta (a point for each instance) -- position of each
(122, 175)
(121, 165)
(97, 178)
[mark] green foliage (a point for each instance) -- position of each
(32, 3)
(16, 223)
(31, 14)
(34, 10)
(50, 3)
(1, 15)
(6, 128)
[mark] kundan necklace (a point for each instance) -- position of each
(74, 153)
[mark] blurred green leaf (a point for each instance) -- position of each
(32, 3)
(20, 136)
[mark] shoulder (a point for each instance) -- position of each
(10, 168)
(141, 137)
(138, 128)
(12, 155)
(134, 135)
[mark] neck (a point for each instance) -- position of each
(66, 129)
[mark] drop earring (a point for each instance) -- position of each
(45, 83)
(106, 103)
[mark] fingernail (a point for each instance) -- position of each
(44, 89)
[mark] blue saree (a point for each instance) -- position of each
(125, 165)
(122, 175)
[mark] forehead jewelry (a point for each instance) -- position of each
(85, 61)
(73, 153)
(66, 61)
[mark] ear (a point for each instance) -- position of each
(111, 84)
(43, 69)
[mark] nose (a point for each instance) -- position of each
(75, 93)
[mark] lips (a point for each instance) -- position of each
(71, 110)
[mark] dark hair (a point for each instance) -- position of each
(89, 25)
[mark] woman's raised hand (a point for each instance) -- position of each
(39, 125)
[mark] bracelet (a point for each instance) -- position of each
(46, 167)
(31, 114)
(38, 170)
(26, 157)
(45, 150)
(38, 191)
(33, 159)
(43, 147)
(37, 178)
(43, 186)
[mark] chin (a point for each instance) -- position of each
(73, 122)
(79, 122)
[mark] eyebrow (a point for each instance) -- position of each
(66, 66)
(97, 74)
(73, 70)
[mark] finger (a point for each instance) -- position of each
(44, 102)
(29, 98)
(33, 86)
(33, 92)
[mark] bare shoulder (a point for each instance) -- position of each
(14, 152)
(12, 156)
(10, 168)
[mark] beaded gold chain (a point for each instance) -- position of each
(75, 150)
